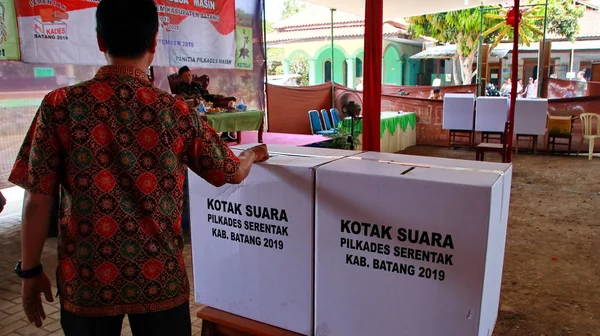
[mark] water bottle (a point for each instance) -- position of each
(241, 105)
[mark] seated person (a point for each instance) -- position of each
(188, 89)
(436, 94)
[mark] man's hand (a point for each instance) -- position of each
(247, 158)
(32, 290)
(261, 153)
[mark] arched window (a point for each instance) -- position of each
(327, 71)
(359, 68)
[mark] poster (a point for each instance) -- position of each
(9, 37)
(243, 54)
(196, 33)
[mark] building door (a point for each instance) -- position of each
(595, 77)
(327, 71)
(495, 75)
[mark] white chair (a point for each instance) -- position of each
(587, 120)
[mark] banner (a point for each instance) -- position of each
(9, 37)
(243, 54)
(197, 33)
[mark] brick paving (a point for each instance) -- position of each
(12, 317)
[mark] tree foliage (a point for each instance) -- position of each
(463, 28)
(292, 7)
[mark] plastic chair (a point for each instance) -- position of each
(315, 123)
(335, 118)
(587, 120)
(326, 119)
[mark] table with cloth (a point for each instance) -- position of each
(237, 121)
(396, 132)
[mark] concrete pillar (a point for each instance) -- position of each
(350, 73)
(286, 67)
(312, 72)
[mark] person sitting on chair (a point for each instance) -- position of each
(188, 89)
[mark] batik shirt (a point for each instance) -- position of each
(118, 149)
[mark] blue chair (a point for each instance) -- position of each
(315, 123)
(335, 117)
(326, 119)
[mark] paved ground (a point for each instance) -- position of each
(12, 318)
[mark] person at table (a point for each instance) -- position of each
(436, 93)
(118, 149)
(187, 89)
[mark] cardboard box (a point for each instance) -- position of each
(491, 114)
(531, 116)
(409, 245)
(458, 111)
(252, 244)
(559, 125)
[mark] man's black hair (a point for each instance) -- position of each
(437, 90)
(183, 69)
(127, 27)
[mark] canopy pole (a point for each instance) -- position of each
(372, 74)
(480, 89)
(514, 79)
(542, 55)
(332, 64)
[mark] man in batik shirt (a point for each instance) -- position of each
(118, 149)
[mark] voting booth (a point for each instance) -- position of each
(409, 245)
(531, 120)
(491, 114)
(457, 116)
(252, 243)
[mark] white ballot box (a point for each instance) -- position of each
(491, 114)
(252, 244)
(409, 245)
(458, 111)
(531, 116)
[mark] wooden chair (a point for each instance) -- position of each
(500, 148)
(587, 120)
(219, 323)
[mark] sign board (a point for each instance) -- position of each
(197, 33)
(43, 72)
(9, 35)
(244, 53)
(409, 245)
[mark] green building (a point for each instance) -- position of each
(308, 35)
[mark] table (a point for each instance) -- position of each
(397, 130)
(237, 121)
(220, 323)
